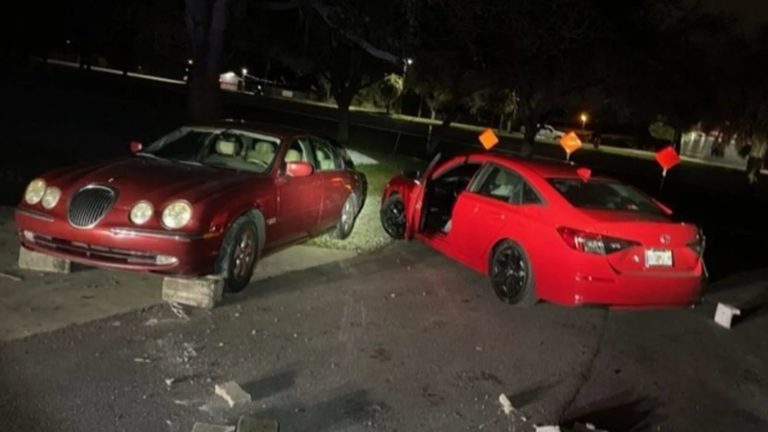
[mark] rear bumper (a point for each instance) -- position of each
(633, 291)
(124, 248)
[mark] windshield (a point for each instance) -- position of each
(220, 148)
(604, 195)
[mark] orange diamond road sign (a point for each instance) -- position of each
(488, 139)
(667, 158)
(570, 142)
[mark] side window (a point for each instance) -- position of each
(505, 185)
(327, 159)
(298, 151)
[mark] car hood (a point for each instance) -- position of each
(155, 180)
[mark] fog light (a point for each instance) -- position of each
(29, 235)
(165, 260)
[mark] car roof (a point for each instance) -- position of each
(541, 167)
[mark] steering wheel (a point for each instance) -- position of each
(258, 161)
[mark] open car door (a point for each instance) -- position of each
(413, 217)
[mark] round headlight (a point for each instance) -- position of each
(177, 214)
(51, 197)
(35, 191)
(141, 212)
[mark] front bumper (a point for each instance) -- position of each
(125, 248)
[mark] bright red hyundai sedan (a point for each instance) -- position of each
(205, 199)
(549, 231)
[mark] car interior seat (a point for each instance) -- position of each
(502, 185)
(293, 155)
(263, 152)
(323, 160)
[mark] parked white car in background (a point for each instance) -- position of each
(546, 133)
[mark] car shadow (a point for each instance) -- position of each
(339, 412)
(264, 387)
(753, 309)
(620, 412)
(531, 394)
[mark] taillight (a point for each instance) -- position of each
(593, 243)
(698, 244)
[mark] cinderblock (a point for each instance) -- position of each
(36, 261)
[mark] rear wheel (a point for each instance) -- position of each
(392, 217)
(511, 274)
(238, 255)
(346, 219)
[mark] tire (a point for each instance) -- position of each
(392, 216)
(347, 219)
(238, 255)
(511, 274)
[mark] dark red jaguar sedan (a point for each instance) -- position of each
(203, 199)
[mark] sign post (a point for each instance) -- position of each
(667, 158)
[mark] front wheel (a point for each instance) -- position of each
(237, 256)
(512, 275)
(392, 217)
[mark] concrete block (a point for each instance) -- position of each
(249, 424)
(547, 428)
(36, 261)
(232, 393)
(205, 427)
(201, 292)
(724, 314)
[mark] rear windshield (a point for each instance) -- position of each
(604, 195)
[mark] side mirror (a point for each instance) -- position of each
(136, 146)
(299, 169)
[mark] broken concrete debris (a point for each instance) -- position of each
(11, 277)
(244, 424)
(508, 408)
(724, 314)
(201, 292)
(232, 393)
(506, 405)
(249, 424)
(205, 427)
(178, 310)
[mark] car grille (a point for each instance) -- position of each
(93, 252)
(90, 204)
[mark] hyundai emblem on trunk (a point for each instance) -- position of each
(665, 239)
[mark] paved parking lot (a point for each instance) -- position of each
(401, 339)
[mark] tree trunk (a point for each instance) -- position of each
(343, 101)
(206, 25)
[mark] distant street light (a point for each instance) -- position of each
(583, 117)
(245, 72)
(406, 63)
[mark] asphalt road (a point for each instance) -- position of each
(398, 340)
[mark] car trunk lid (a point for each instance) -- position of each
(662, 245)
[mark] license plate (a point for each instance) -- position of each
(658, 258)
